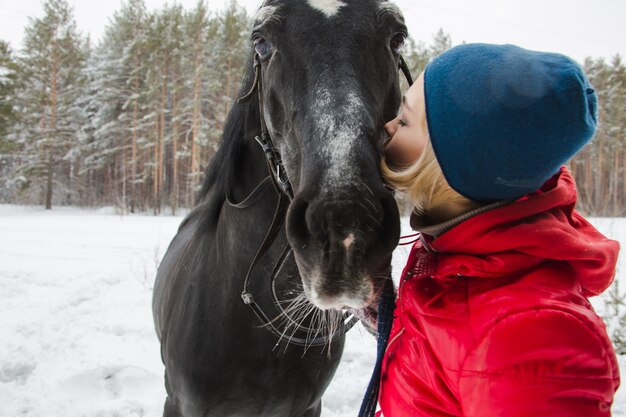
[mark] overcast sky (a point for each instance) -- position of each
(578, 28)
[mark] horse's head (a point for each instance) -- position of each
(330, 82)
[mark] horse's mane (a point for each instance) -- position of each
(242, 118)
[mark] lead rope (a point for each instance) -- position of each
(386, 306)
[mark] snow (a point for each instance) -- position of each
(76, 323)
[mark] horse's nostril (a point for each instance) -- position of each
(352, 225)
(297, 228)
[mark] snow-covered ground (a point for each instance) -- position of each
(76, 325)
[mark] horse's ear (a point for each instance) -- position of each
(405, 70)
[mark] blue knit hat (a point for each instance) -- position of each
(502, 119)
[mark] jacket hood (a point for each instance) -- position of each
(539, 227)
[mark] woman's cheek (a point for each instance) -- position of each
(400, 153)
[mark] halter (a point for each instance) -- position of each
(278, 176)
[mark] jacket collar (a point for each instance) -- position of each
(495, 241)
(419, 224)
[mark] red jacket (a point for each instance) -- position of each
(492, 317)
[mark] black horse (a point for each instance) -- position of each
(329, 76)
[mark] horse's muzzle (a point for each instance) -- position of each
(343, 247)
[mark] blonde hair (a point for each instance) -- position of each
(425, 184)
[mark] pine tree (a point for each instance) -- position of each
(104, 147)
(231, 56)
(199, 38)
(163, 46)
(599, 169)
(441, 43)
(132, 37)
(177, 89)
(49, 85)
(117, 99)
(615, 119)
(8, 79)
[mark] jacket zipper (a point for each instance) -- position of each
(395, 338)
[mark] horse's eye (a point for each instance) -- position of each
(397, 42)
(262, 47)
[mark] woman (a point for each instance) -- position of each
(492, 316)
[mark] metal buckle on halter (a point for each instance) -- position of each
(273, 156)
(283, 181)
(247, 298)
(267, 145)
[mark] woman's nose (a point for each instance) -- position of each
(391, 127)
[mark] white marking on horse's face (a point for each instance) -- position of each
(265, 14)
(339, 129)
(329, 7)
(348, 241)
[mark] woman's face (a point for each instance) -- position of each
(408, 132)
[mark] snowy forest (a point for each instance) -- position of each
(132, 120)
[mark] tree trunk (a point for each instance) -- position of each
(49, 186)
(195, 124)
(613, 206)
(158, 181)
(588, 182)
(52, 135)
(174, 179)
(124, 180)
(623, 203)
(135, 127)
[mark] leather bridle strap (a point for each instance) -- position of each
(405, 70)
(272, 156)
(270, 236)
(251, 198)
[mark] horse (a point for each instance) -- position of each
(322, 80)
